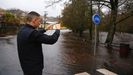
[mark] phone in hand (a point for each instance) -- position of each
(51, 27)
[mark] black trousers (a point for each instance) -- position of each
(39, 72)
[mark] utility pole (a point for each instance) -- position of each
(45, 18)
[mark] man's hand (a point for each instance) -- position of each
(57, 26)
(49, 27)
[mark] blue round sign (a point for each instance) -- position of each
(96, 19)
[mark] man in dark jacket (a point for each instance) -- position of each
(29, 41)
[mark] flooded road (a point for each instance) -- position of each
(69, 56)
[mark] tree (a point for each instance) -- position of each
(10, 18)
(76, 15)
(113, 5)
(19, 14)
(112, 23)
(124, 23)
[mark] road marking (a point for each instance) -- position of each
(106, 72)
(84, 73)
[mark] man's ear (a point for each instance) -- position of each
(34, 20)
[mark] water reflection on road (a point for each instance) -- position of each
(70, 55)
(9, 63)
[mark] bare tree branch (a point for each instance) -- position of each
(102, 5)
(106, 2)
(106, 5)
(122, 3)
(124, 18)
(102, 1)
(53, 2)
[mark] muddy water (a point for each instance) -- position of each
(70, 55)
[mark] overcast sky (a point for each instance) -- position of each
(33, 5)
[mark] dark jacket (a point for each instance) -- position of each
(29, 42)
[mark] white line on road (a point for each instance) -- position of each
(84, 73)
(106, 72)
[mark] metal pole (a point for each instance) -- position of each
(95, 40)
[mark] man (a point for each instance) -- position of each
(29, 41)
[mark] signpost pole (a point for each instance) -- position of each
(95, 44)
(96, 20)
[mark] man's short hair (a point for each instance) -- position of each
(31, 15)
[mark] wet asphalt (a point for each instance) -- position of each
(69, 56)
